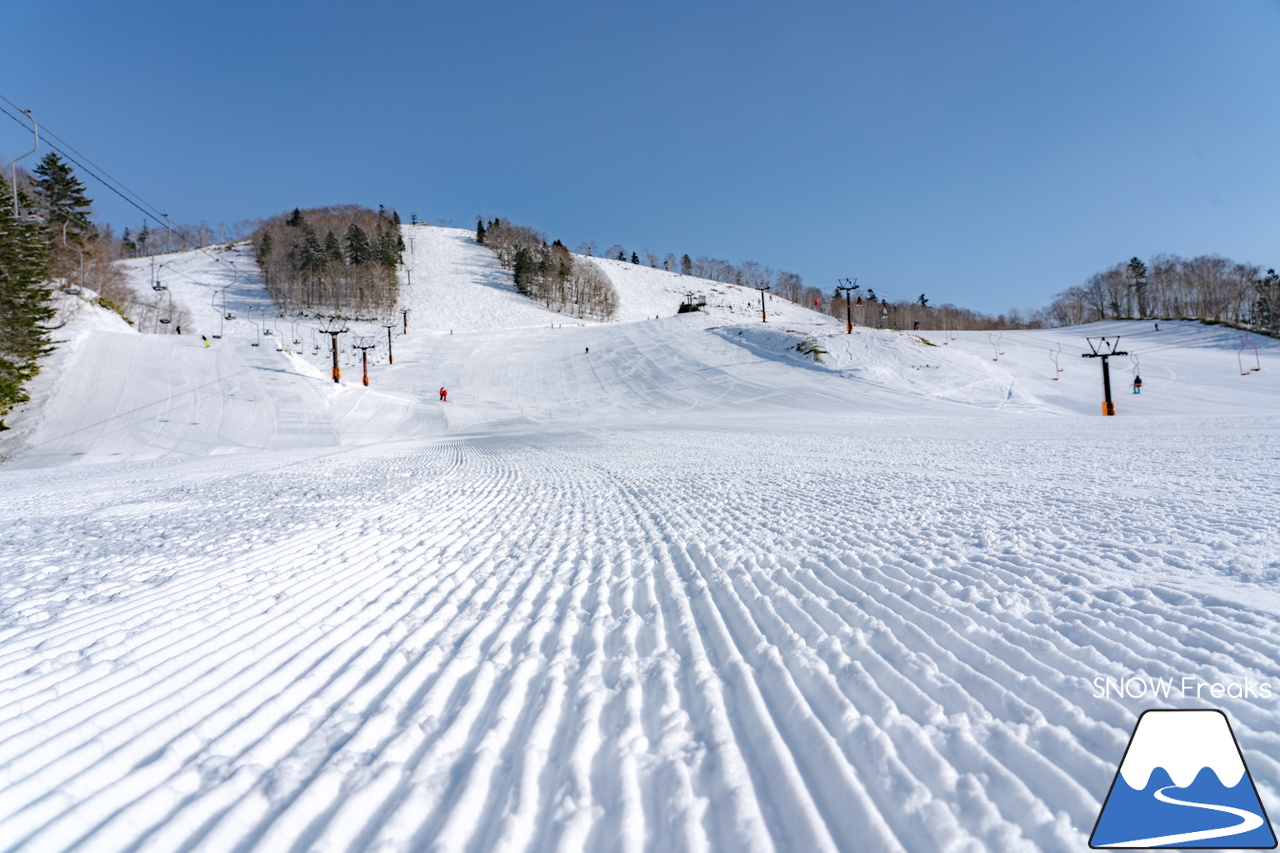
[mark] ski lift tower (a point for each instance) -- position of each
(364, 344)
(1104, 350)
(333, 327)
(848, 285)
(390, 323)
(764, 316)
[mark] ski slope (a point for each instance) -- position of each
(646, 585)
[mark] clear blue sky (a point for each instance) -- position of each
(987, 154)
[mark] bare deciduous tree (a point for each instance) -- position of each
(1207, 287)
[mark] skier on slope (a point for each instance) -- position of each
(444, 395)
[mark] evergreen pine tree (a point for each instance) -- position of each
(332, 248)
(24, 301)
(1266, 308)
(686, 265)
(358, 250)
(1138, 281)
(388, 253)
(523, 269)
(480, 232)
(61, 194)
(312, 258)
(635, 259)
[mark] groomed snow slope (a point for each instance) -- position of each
(689, 590)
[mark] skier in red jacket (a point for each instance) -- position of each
(444, 395)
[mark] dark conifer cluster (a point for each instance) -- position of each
(49, 241)
(339, 260)
(25, 309)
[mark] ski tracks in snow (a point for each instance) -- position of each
(581, 642)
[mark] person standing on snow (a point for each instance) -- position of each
(444, 395)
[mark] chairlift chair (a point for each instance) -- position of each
(1246, 340)
(30, 217)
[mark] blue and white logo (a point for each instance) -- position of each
(1183, 783)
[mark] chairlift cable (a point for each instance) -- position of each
(91, 173)
(154, 213)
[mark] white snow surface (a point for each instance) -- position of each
(653, 584)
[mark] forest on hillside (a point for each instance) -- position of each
(336, 260)
(548, 273)
(1209, 288)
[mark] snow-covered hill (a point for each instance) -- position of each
(264, 383)
(663, 583)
